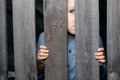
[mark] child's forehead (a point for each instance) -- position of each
(71, 3)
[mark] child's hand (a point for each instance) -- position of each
(43, 53)
(99, 55)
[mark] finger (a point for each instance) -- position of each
(100, 49)
(102, 61)
(42, 58)
(99, 54)
(43, 47)
(43, 55)
(100, 57)
(43, 51)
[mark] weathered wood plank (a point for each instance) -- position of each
(3, 48)
(113, 39)
(56, 39)
(87, 35)
(24, 39)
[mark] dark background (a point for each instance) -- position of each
(39, 27)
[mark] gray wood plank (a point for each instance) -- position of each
(56, 39)
(3, 46)
(87, 39)
(24, 39)
(113, 39)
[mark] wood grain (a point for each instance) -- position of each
(113, 39)
(56, 39)
(24, 39)
(3, 41)
(87, 39)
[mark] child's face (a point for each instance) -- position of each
(71, 17)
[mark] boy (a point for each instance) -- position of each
(43, 52)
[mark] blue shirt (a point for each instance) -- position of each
(71, 58)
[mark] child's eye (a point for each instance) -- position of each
(72, 11)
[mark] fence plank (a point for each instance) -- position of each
(55, 39)
(3, 48)
(24, 39)
(113, 39)
(87, 35)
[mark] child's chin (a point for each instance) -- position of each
(73, 33)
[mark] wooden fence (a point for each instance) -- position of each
(113, 39)
(87, 34)
(3, 47)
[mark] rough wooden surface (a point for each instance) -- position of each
(24, 39)
(113, 39)
(3, 49)
(87, 39)
(55, 39)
